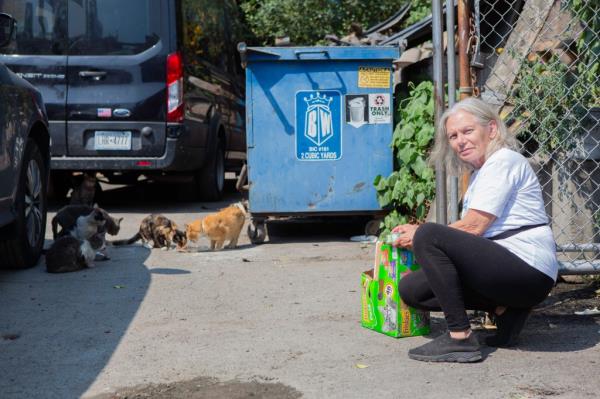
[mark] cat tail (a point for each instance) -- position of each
(131, 240)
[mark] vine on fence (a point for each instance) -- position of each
(588, 49)
(407, 192)
(546, 106)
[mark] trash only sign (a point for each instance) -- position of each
(318, 125)
(379, 108)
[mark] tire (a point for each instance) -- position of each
(257, 232)
(29, 228)
(372, 227)
(210, 180)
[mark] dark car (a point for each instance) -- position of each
(135, 87)
(24, 165)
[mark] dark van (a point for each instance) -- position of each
(135, 86)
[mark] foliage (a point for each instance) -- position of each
(552, 99)
(408, 190)
(546, 105)
(419, 9)
(307, 22)
(208, 25)
(587, 87)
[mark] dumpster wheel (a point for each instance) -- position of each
(372, 227)
(257, 232)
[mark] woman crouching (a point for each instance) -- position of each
(499, 257)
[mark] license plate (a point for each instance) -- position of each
(112, 140)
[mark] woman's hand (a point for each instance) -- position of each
(407, 232)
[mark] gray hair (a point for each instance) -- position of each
(484, 114)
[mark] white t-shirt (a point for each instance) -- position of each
(507, 187)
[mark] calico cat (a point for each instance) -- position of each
(69, 254)
(219, 227)
(66, 219)
(160, 230)
(84, 192)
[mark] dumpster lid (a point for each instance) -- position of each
(322, 53)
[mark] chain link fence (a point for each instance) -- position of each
(539, 62)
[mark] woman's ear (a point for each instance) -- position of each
(493, 129)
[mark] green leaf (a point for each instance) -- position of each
(406, 154)
(377, 180)
(381, 183)
(418, 166)
(385, 199)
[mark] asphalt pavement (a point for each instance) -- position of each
(278, 320)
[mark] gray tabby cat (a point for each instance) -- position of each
(69, 254)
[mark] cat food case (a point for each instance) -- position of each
(382, 307)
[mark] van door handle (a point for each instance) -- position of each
(96, 75)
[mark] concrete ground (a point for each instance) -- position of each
(278, 320)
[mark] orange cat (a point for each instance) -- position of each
(219, 227)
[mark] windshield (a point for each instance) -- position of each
(83, 27)
(41, 27)
(112, 27)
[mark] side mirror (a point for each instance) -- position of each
(7, 27)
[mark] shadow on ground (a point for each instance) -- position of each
(553, 325)
(58, 331)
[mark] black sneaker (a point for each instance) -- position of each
(509, 325)
(447, 349)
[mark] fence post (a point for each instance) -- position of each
(438, 91)
(451, 76)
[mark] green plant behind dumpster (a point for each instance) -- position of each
(307, 22)
(408, 191)
(419, 9)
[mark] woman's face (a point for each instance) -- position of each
(468, 138)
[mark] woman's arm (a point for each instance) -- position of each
(474, 222)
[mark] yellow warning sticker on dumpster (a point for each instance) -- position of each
(374, 77)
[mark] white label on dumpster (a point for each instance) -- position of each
(356, 109)
(380, 110)
(318, 125)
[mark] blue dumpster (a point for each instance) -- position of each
(318, 130)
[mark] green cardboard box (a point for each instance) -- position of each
(382, 307)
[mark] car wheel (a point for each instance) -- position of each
(24, 247)
(210, 180)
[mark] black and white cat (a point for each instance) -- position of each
(67, 220)
(70, 254)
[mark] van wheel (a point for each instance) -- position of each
(25, 248)
(210, 180)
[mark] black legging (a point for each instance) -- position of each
(463, 271)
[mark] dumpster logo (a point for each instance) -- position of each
(318, 125)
